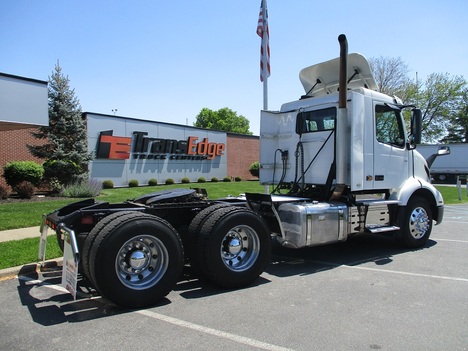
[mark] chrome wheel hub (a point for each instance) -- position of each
(419, 223)
(240, 248)
(141, 262)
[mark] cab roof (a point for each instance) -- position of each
(323, 78)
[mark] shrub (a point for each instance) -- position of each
(84, 188)
(25, 190)
(133, 183)
(214, 180)
(107, 184)
(226, 179)
(185, 180)
(4, 193)
(202, 180)
(65, 172)
(238, 179)
(54, 186)
(17, 172)
(152, 182)
(254, 169)
(169, 181)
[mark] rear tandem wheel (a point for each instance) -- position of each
(233, 247)
(135, 259)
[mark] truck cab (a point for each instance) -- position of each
(312, 147)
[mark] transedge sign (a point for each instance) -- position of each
(120, 148)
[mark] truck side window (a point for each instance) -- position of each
(316, 121)
(388, 126)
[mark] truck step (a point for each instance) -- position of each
(376, 202)
(382, 229)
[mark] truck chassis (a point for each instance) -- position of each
(133, 252)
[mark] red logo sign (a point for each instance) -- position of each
(113, 147)
(144, 147)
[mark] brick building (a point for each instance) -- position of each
(23, 107)
(125, 148)
(13, 147)
(243, 150)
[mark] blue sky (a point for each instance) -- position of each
(166, 60)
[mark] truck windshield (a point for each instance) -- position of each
(388, 126)
(316, 121)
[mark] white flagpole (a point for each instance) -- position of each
(265, 56)
(265, 92)
(265, 71)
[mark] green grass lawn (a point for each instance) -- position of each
(29, 214)
(450, 194)
(20, 252)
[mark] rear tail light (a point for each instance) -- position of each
(87, 220)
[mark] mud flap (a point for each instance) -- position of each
(43, 242)
(70, 264)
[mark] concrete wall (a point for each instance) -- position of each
(171, 166)
(23, 102)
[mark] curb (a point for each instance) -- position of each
(28, 269)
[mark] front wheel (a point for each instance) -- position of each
(136, 259)
(415, 221)
(234, 247)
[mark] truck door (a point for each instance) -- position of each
(390, 154)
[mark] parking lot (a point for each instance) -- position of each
(364, 294)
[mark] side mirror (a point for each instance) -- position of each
(300, 124)
(443, 150)
(416, 126)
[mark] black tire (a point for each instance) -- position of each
(89, 241)
(136, 260)
(194, 234)
(234, 247)
(415, 222)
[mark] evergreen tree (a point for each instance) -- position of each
(458, 128)
(66, 152)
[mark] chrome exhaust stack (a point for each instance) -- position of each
(342, 135)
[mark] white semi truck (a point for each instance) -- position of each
(339, 162)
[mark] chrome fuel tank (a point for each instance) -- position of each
(311, 224)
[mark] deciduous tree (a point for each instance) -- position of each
(390, 74)
(440, 98)
(224, 120)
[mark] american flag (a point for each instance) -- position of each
(264, 33)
